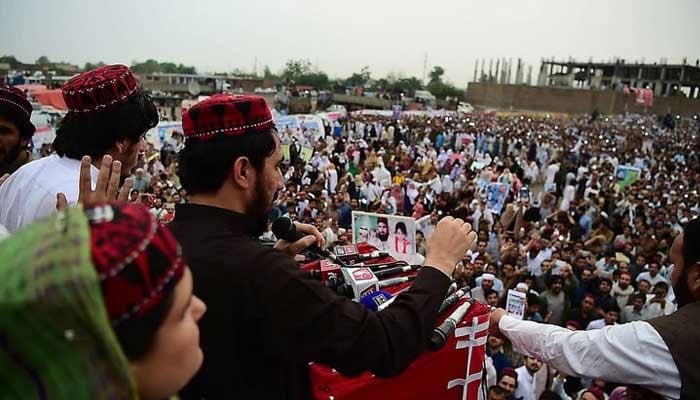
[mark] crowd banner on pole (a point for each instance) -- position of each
(626, 175)
(306, 153)
(496, 195)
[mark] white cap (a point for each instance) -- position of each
(522, 286)
(488, 277)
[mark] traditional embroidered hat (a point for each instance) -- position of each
(138, 260)
(13, 98)
(226, 115)
(100, 88)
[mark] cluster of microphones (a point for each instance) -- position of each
(355, 276)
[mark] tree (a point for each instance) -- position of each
(301, 73)
(151, 66)
(9, 60)
(365, 73)
(408, 86)
(90, 66)
(43, 60)
(319, 80)
(359, 79)
(441, 89)
(436, 74)
(268, 75)
(296, 69)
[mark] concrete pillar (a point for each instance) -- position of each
(498, 65)
(510, 67)
(551, 72)
(658, 87)
(529, 75)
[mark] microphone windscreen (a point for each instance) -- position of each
(373, 300)
(284, 229)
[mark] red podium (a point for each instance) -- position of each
(454, 372)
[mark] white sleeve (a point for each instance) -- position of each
(627, 353)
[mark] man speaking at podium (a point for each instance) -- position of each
(659, 355)
(265, 321)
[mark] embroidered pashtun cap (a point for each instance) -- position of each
(100, 89)
(226, 115)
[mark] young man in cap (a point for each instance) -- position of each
(108, 116)
(266, 321)
(613, 353)
(16, 130)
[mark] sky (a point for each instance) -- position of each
(391, 37)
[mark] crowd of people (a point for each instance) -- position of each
(587, 250)
(589, 246)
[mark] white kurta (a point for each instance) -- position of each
(30, 193)
(631, 353)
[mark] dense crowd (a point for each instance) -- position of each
(588, 247)
(586, 252)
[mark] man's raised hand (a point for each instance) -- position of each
(448, 244)
(106, 188)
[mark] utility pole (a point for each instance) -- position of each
(425, 66)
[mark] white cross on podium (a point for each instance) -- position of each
(472, 341)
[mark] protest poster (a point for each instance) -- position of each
(626, 175)
(477, 165)
(161, 133)
(515, 304)
(393, 234)
(426, 224)
(285, 152)
(306, 153)
(496, 195)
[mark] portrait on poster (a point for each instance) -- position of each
(393, 234)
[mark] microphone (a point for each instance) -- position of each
(386, 304)
(330, 274)
(387, 265)
(395, 281)
(442, 332)
(358, 283)
(451, 289)
(451, 299)
(374, 300)
(372, 255)
(395, 271)
(284, 229)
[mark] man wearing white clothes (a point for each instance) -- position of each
(622, 353)
(527, 388)
(108, 114)
(652, 274)
(550, 172)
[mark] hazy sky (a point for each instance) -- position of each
(342, 36)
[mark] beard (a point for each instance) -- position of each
(682, 293)
(9, 156)
(259, 208)
(383, 236)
